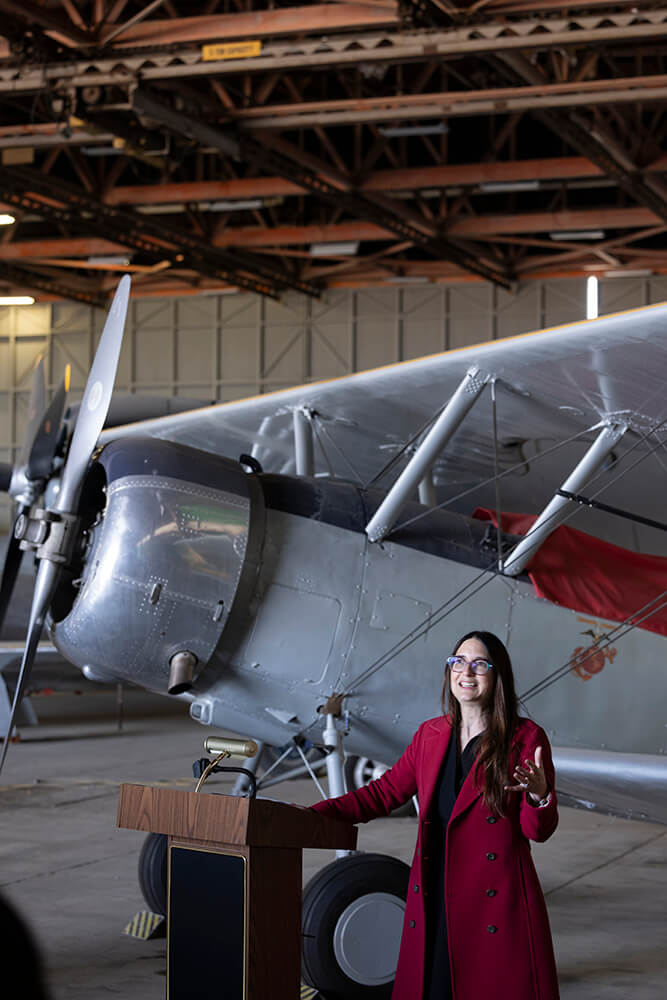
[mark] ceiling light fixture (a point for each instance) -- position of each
(592, 302)
(16, 300)
(407, 131)
(408, 279)
(345, 249)
(232, 206)
(111, 261)
(7, 220)
(498, 187)
(638, 272)
(578, 234)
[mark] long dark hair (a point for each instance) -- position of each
(492, 770)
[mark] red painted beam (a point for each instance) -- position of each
(259, 24)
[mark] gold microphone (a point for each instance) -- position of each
(235, 748)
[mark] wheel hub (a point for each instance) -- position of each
(367, 938)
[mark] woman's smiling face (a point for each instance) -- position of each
(467, 687)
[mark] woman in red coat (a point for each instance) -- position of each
(476, 925)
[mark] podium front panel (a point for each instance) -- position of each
(206, 955)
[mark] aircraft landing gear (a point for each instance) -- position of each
(153, 872)
(351, 921)
(359, 771)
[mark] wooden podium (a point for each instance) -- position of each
(234, 888)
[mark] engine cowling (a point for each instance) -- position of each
(161, 561)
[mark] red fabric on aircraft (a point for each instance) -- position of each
(581, 572)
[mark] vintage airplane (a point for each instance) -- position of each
(290, 598)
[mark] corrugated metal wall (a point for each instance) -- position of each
(231, 346)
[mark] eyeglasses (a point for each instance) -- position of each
(459, 663)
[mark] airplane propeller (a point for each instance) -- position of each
(25, 481)
(54, 533)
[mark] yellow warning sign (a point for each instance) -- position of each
(231, 50)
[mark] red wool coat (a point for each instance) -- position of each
(499, 938)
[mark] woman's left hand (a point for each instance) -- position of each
(530, 777)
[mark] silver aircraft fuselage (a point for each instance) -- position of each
(271, 583)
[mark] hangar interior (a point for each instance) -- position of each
(302, 191)
(231, 346)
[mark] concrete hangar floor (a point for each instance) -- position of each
(73, 875)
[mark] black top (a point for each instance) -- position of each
(454, 771)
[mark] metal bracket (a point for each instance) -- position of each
(50, 534)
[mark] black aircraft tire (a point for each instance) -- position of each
(153, 872)
(360, 896)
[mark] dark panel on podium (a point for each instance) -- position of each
(207, 920)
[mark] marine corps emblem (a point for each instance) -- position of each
(590, 660)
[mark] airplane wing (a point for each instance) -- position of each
(550, 387)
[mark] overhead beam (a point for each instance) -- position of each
(276, 158)
(557, 168)
(345, 49)
(25, 278)
(66, 205)
(454, 104)
(51, 21)
(260, 24)
(589, 140)
(476, 227)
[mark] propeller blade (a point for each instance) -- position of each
(96, 399)
(45, 585)
(40, 459)
(36, 407)
(10, 570)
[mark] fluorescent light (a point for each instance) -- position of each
(346, 249)
(496, 187)
(104, 151)
(578, 234)
(407, 279)
(169, 209)
(233, 206)
(405, 131)
(16, 300)
(175, 208)
(110, 261)
(640, 272)
(592, 297)
(7, 220)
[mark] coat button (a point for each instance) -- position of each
(412, 923)
(491, 856)
(490, 892)
(492, 928)
(415, 888)
(491, 819)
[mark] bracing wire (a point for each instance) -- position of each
(491, 479)
(339, 450)
(444, 611)
(599, 645)
(399, 454)
(313, 424)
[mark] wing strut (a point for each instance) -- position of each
(555, 510)
(304, 452)
(420, 464)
